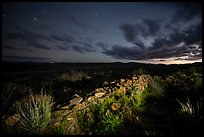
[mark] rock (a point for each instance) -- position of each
(129, 82)
(76, 100)
(91, 99)
(88, 77)
(122, 80)
(107, 113)
(65, 107)
(122, 90)
(105, 83)
(112, 83)
(115, 106)
(100, 94)
(70, 118)
(11, 121)
(99, 89)
(118, 85)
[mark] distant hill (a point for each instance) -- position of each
(13, 66)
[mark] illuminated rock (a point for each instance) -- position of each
(100, 94)
(76, 100)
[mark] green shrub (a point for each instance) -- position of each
(111, 124)
(100, 119)
(86, 121)
(63, 126)
(35, 112)
(147, 98)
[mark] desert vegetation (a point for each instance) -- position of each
(108, 101)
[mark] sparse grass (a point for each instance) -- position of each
(191, 116)
(35, 112)
(142, 108)
(192, 110)
(141, 71)
(8, 96)
(73, 76)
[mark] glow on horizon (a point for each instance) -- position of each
(168, 61)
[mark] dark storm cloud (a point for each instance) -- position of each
(121, 52)
(194, 34)
(152, 27)
(186, 13)
(175, 44)
(134, 32)
(191, 35)
(131, 33)
(165, 52)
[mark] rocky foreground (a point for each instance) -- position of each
(122, 86)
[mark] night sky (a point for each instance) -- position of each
(148, 32)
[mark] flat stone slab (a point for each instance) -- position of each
(76, 100)
(100, 94)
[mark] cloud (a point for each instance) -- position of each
(78, 48)
(192, 34)
(6, 46)
(121, 52)
(27, 59)
(131, 33)
(82, 24)
(186, 13)
(152, 27)
(102, 45)
(63, 46)
(40, 46)
(175, 44)
(134, 33)
(30, 38)
(64, 38)
(52, 41)
(9, 47)
(15, 36)
(82, 47)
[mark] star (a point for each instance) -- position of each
(96, 14)
(36, 20)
